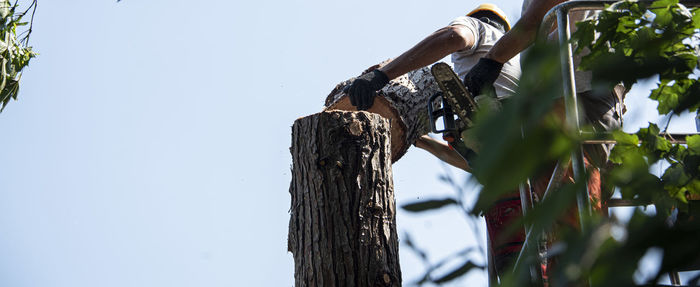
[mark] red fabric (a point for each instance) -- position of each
(505, 248)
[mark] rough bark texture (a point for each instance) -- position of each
(404, 101)
(342, 230)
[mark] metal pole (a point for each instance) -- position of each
(526, 204)
(493, 275)
(572, 114)
(674, 278)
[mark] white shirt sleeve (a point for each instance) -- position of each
(468, 22)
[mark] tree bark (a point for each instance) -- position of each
(342, 230)
(404, 101)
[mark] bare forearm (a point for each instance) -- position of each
(431, 49)
(512, 43)
(443, 152)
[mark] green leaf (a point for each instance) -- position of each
(666, 96)
(694, 186)
(14, 53)
(663, 15)
(466, 267)
(693, 144)
(664, 3)
(682, 62)
(675, 176)
(409, 242)
(428, 205)
(653, 145)
(624, 138)
(584, 35)
(621, 152)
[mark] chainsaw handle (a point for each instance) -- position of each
(445, 112)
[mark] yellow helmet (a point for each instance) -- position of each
(487, 7)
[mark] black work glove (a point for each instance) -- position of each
(364, 88)
(481, 77)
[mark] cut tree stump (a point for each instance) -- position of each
(342, 230)
(404, 101)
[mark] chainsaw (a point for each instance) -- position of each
(452, 97)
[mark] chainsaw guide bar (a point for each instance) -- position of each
(454, 91)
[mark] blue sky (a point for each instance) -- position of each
(149, 145)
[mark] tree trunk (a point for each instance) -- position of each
(342, 230)
(404, 101)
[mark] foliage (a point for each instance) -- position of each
(434, 273)
(15, 53)
(636, 41)
(628, 41)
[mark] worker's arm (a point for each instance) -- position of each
(523, 33)
(483, 75)
(443, 152)
(434, 47)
